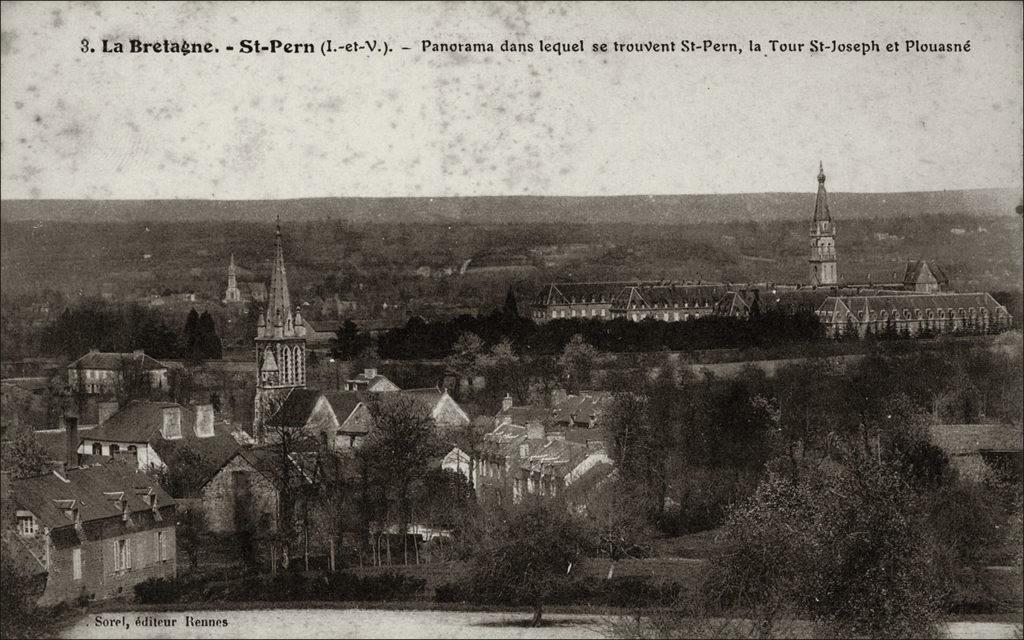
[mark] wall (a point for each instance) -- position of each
(98, 548)
(218, 496)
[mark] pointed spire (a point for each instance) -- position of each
(821, 213)
(231, 266)
(278, 300)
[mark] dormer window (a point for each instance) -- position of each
(27, 525)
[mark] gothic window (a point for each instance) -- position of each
(942, 314)
(885, 316)
(917, 313)
(960, 311)
(931, 314)
(300, 364)
(906, 314)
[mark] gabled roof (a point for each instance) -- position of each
(296, 409)
(140, 421)
(345, 404)
(115, 361)
(916, 269)
(216, 451)
(584, 407)
(54, 441)
(909, 301)
(92, 490)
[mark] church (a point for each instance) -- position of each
(337, 419)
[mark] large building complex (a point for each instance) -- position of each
(921, 302)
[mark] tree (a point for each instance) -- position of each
(25, 457)
(525, 553)
(192, 530)
(507, 371)
(637, 446)
(182, 384)
(843, 545)
(190, 339)
(577, 363)
(348, 342)
(465, 361)
(399, 450)
(207, 341)
(132, 382)
(184, 473)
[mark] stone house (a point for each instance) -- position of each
(152, 432)
(369, 381)
(101, 373)
(245, 491)
(96, 531)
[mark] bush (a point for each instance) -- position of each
(159, 590)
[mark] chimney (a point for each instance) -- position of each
(506, 402)
(104, 410)
(535, 431)
(204, 421)
(171, 427)
(71, 441)
(370, 373)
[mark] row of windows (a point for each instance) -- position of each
(112, 450)
(123, 552)
(917, 314)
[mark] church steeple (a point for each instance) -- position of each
(822, 263)
(278, 302)
(821, 212)
(232, 294)
(280, 345)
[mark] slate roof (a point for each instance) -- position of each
(558, 293)
(837, 309)
(114, 361)
(33, 384)
(587, 406)
(140, 421)
(296, 408)
(215, 450)
(915, 268)
(344, 403)
(91, 489)
(968, 439)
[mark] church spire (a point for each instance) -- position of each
(278, 301)
(821, 213)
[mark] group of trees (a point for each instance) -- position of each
(420, 339)
(836, 507)
(96, 324)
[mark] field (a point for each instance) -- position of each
(417, 266)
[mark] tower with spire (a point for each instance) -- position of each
(232, 294)
(280, 345)
(823, 270)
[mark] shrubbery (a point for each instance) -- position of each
(283, 587)
(625, 592)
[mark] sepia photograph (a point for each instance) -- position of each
(553, 319)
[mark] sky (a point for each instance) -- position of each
(414, 123)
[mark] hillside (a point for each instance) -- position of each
(654, 209)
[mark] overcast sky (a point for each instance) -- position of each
(237, 126)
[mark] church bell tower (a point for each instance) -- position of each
(823, 270)
(280, 346)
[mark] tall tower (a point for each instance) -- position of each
(823, 238)
(232, 294)
(280, 346)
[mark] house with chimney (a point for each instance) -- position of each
(583, 410)
(93, 531)
(516, 461)
(150, 433)
(370, 381)
(102, 373)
